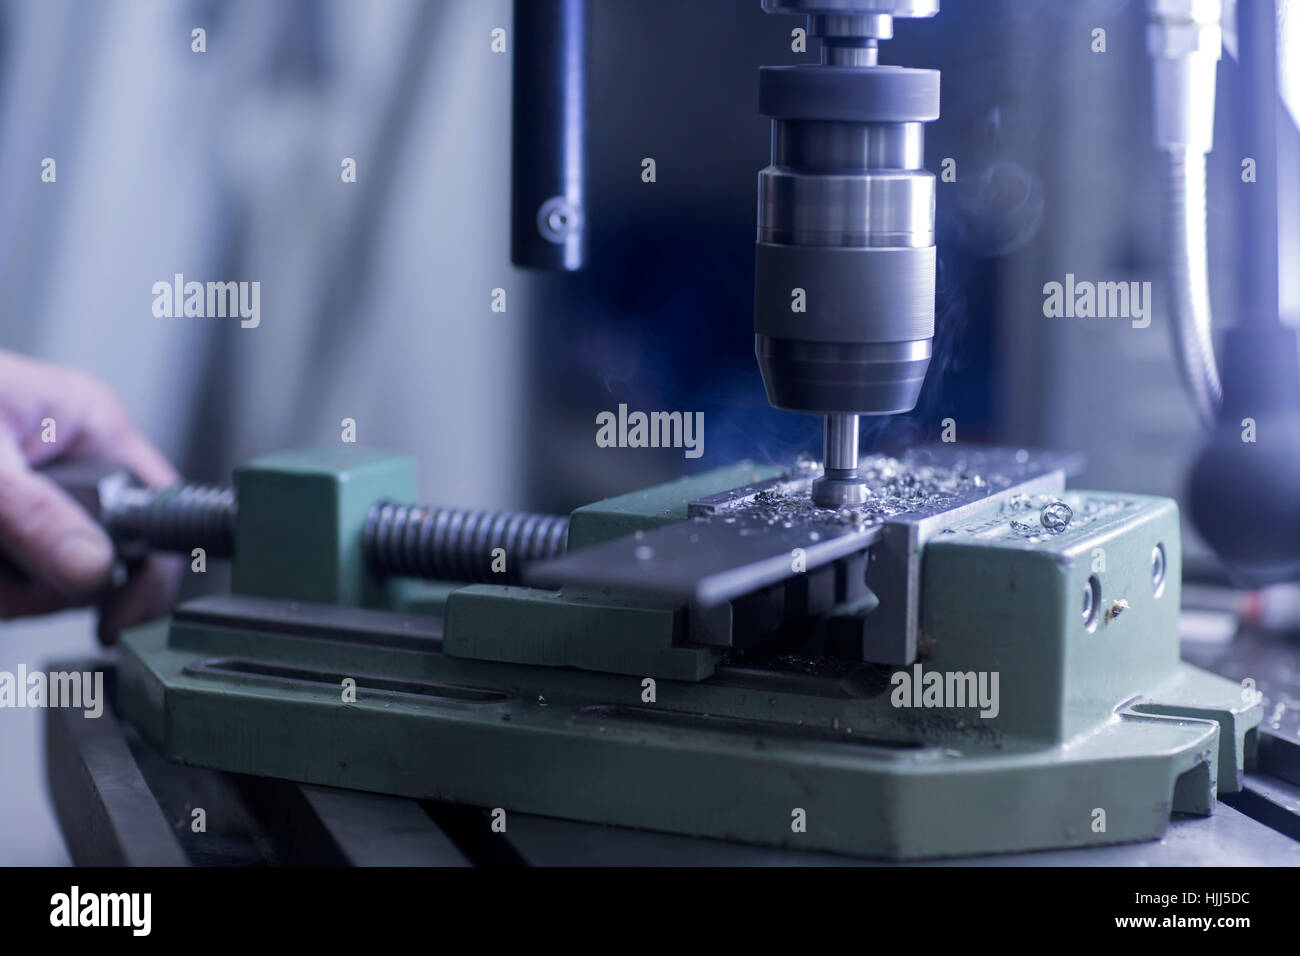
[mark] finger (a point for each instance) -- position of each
(92, 423)
(20, 596)
(109, 434)
(148, 594)
(46, 534)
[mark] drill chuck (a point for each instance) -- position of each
(845, 255)
(845, 259)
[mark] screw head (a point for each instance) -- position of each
(557, 219)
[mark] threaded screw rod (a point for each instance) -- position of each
(456, 545)
(180, 518)
(447, 544)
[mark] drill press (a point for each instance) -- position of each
(845, 257)
(715, 656)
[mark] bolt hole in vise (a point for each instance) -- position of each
(1158, 566)
(1091, 603)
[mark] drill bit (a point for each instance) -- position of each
(840, 485)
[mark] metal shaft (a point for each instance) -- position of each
(446, 544)
(841, 442)
(173, 519)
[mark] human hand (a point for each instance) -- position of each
(57, 556)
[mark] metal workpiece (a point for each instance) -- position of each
(648, 508)
(845, 254)
(705, 562)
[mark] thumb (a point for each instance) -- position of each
(48, 535)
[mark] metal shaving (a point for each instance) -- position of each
(1046, 516)
(896, 487)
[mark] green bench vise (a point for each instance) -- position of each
(977, 661)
